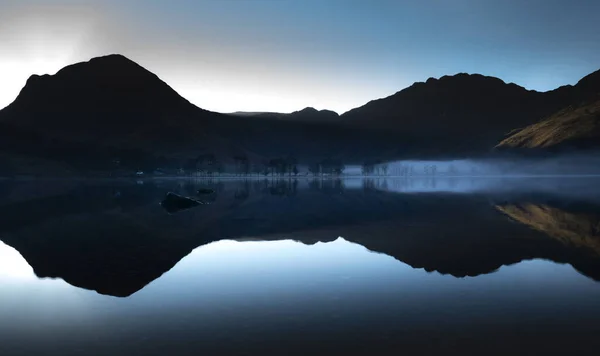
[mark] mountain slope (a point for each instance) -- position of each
(465, 113)
(110, 109)
(94, 113)
(108, 100)
(573, 127)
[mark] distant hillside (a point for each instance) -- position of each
(312, 114)
(305, 115)
(575, 127)
(465, 113)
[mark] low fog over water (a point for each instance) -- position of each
(565, 164)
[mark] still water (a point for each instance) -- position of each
(471, 266)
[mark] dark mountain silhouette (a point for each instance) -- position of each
(115, 244)
(575, 127)
(253, 113)
(90, 115)
(108, 98)
(465, 113)
(308, 114)
(312, 114)
(94, 112)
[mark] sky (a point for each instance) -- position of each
(284, 55)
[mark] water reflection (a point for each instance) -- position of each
(286, 297)
(12, 264)
(576, 228)
(329, 265)
(115, 244)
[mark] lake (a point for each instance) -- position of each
(480, 265)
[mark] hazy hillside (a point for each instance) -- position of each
(308, 114)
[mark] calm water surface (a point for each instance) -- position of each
(472, 266)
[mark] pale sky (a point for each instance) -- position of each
(284, 55)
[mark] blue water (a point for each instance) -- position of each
(424, 281)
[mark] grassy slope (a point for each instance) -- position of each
(573, 126)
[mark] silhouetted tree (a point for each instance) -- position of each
(314, 168)
(219, 167)
(190, 166)
(332, 166)
(206, 163)
(242, 164)
(265, 168)
(368, 168)
(256, 168)
(278, 166)
(384, 168)
(291, 165)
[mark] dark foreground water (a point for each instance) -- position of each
(477, 266)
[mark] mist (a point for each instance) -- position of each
(574, 164)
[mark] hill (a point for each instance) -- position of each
(465, 113)
(92, 114)
(89, 114)
(575, 127)
(308, 114)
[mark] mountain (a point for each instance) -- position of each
(253, 113)
(308, 114)
(465, 113)
(112, 94)
(575, 127)
(92, 114)
(89, 114)
(112, 115)
(312, 114)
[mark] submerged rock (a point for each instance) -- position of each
(173, 203)
(203, 191)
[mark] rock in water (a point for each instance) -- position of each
(174, 203)
(203, 191)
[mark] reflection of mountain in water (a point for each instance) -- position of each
(574, 229)
(116, 239)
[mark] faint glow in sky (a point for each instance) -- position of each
(265, 55)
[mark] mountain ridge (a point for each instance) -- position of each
(110, 107)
